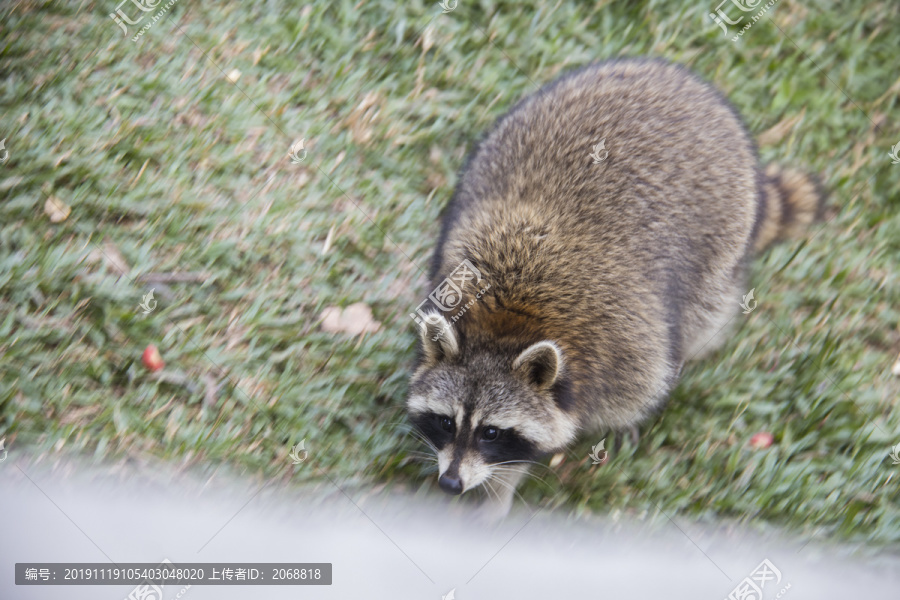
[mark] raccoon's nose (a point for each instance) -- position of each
(451, 485)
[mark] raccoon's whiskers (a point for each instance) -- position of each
(489, 488)
(521, 462)
(422, 456)
(527, 462)
(524, 472)
(505, 484)
(515, 470)
(422, 438)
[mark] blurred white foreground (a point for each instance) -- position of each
(389, 547)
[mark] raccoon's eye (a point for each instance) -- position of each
(490, 433)
(447, 424)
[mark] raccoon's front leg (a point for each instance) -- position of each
(634, 435)
(502, 484)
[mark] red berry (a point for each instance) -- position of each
(151, 358)
(761, 440)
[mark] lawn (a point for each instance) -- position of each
(162, 164)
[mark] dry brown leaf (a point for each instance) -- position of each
(56, 209)
(427, 39)
(355, 319)
(258, 54)
(114, 259)
(776, 133)
(363, 117)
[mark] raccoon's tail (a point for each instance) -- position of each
(793, 201)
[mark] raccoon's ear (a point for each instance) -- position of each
(540, 364)
(438, 339)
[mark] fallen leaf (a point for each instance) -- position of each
(776, 133)
(114, 259)
(427, 39)
(355, 319)
(258, 54)
(56, 209)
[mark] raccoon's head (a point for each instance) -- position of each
(483, 407)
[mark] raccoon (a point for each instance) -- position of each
(599, 237)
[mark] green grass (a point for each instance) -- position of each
(168, 164)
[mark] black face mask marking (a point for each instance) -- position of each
(429, 424)
(509, 446)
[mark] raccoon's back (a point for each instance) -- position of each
(677, 191)
(679, 163)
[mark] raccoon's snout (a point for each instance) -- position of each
(451, 481)
(450, 484)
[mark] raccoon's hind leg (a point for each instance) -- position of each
(712, 323)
